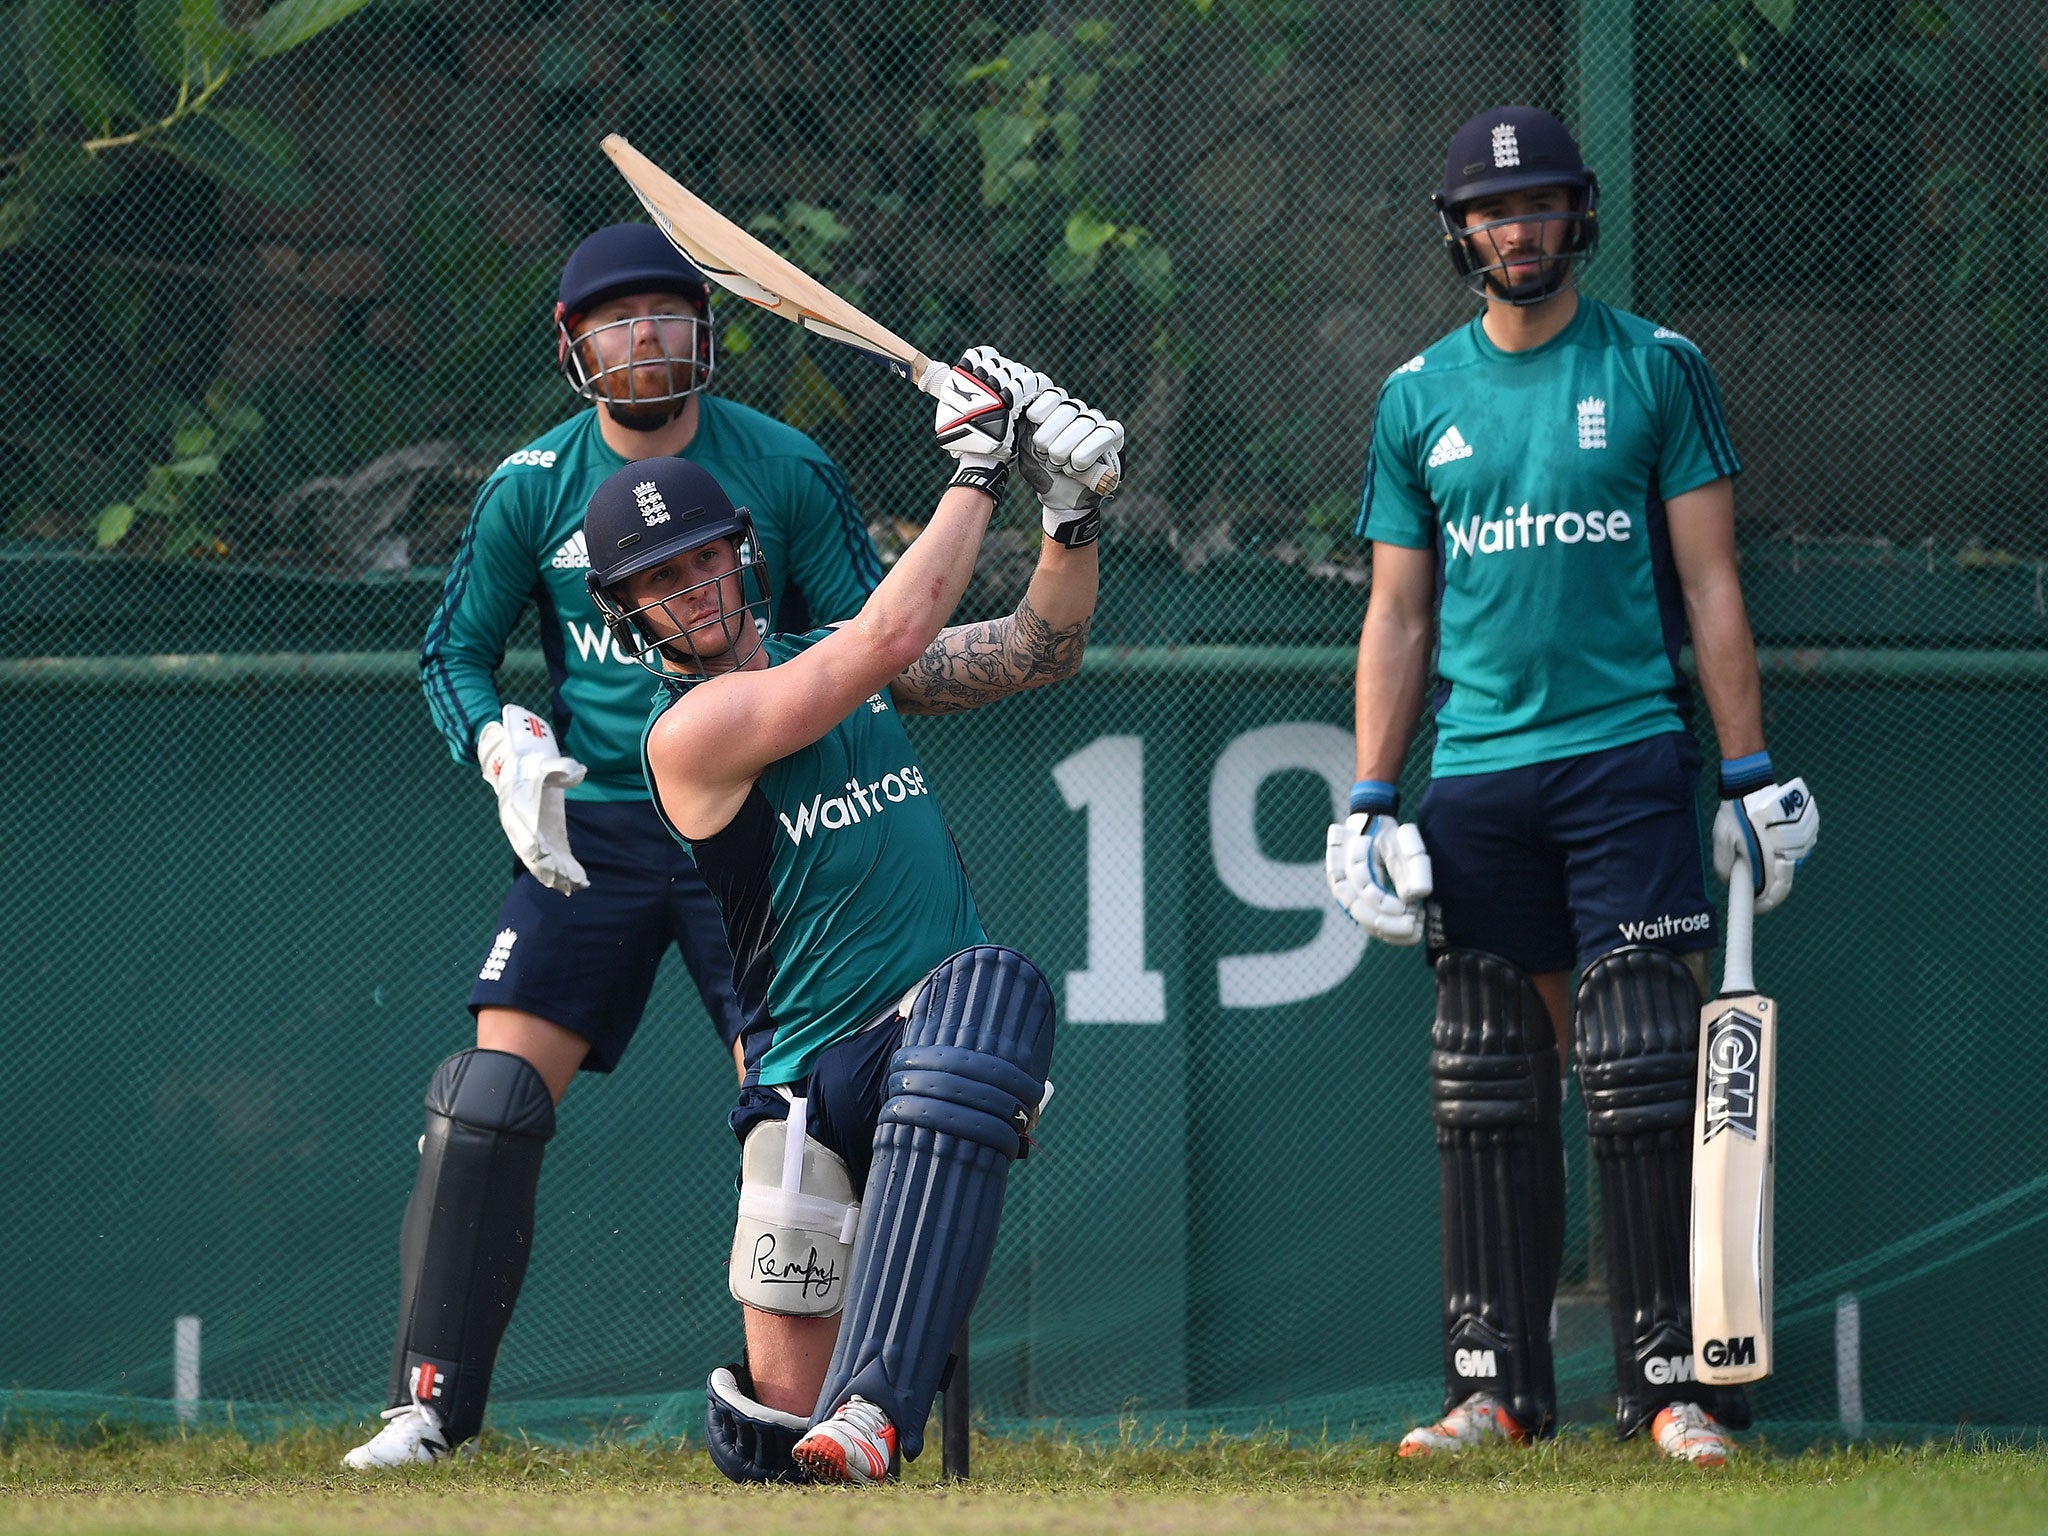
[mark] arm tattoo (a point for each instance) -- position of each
(974, 664)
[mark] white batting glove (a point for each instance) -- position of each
(524, 765)
(1775, 828)
(1073, 462)
(980, 403)
(1379, 872)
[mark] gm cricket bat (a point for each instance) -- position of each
(742, 265)
(1734, 1114)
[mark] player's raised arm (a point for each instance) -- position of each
(678, 593)
(1042, 642)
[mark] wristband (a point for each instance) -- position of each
(1374, 797)
(1075, 531)
(1745, 775)
(990, 480)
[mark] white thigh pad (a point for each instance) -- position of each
(794, 1238)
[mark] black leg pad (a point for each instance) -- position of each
(1637, 1034)
(468, 1231)
(1494, 1096)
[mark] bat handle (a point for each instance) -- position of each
(931, 376)
(1736, 973)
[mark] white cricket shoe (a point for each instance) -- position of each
(411, 1435)
(856, 1445)
(1687, 1432)
(1475, 1421)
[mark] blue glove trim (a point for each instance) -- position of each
(1743, 775)
(1376, 797)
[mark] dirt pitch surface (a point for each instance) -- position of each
(114, 1483)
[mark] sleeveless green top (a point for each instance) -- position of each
(838, 881)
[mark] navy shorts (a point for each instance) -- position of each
(845, 1092)
(1560, 862)
(587, 962)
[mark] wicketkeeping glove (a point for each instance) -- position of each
(1073, 462)
(980, 404)
(524, 765)
(1775, 827)
(1379, 872)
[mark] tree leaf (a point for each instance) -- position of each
(256, 132)
(290, 22)
(160, 36)
(74, 41)
(113, 524)
(211, 149)
(1086, 234)
(1777, 12)
(17, 218)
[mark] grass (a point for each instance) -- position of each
(1585, 1485)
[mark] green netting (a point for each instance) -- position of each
(276, 298)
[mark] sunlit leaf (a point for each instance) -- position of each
(113, 524)
(1086, 234)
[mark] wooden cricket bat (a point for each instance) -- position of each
(1733, 1163)
(742, 265)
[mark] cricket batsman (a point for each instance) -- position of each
(1549, 492)
(599, 891)
(896, 1059)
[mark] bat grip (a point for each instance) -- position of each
(1736, 974)
(933, 376)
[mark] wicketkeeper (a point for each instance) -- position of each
(1549, 496)
(599, 892)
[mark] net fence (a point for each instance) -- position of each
(277, 291)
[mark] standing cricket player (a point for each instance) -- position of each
(895, 1058)
(600, 892)
(1548, 493)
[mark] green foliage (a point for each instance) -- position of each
(184, 491)
(100, 88)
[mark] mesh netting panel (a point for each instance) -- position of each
(266, 334)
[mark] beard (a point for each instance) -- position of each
(646, 418)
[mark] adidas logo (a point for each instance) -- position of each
(574, 555)
(1450, 446)
(1593, 423)
(1507, 149)
(501, 951)
(653, 509)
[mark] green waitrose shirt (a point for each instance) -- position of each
(524, 544)
(1540, 479)
(839, 883)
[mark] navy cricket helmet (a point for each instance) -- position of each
(1512, 149)
(655, 510)
(598, 362)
